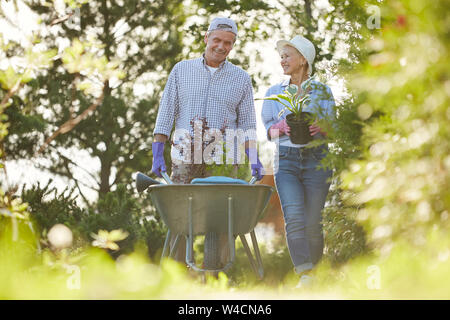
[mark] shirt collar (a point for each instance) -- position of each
(285, 83)
(204, 61)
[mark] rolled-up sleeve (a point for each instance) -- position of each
(246, 115)
(168, 106)
(268, 111)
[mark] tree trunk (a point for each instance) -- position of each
(105, 173)
(308, 11)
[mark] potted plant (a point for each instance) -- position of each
(298, 120)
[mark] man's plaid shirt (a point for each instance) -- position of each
(224, 99)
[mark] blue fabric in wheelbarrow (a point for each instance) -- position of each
(218, 180)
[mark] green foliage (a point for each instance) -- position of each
(91, 273)
(144, 39)
(117, 131)
(344, 237)
(48, 207)
(107, 240)
(390, 151)
(84, 274)
(291, 100)
(402, 177)
(116, 210)
(152, 233)
(389, 275)
(276, 262)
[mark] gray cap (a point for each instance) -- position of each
(224, 24)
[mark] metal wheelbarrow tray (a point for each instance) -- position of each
(196, 209)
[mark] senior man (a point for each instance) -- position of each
(208, 89)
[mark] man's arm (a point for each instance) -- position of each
(164, 123)
(168, 107)
(247, 122)
(160, 138)
(246, 116)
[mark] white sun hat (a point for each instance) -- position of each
(303, 45)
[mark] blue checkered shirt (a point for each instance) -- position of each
(224, 99)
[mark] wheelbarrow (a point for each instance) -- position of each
(209, 207)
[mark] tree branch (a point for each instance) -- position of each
(3, 104)
(61, 19)
(66, 166)
(75, 164)
(292, 14)
(11, 92)
(71, 123)
(65, 175)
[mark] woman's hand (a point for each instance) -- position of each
(315, 129)
(278, 129)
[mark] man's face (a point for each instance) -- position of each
(218, 45)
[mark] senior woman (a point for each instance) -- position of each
(302, 186)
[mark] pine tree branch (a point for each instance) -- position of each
(71, 177)
(75, 164)
(71, 123)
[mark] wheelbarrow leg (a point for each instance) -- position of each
(257, 254)
(231, 243)
(170, 250)
(173, 249)
(190, 237)
(249, 253)
(166, 245)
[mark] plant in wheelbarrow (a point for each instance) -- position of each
(298, 120)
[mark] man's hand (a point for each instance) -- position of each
(158, 158)
(278, 129)
(257, 167)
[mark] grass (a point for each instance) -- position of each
(400, 272)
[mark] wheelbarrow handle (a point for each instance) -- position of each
(166, 177)
(143, 181)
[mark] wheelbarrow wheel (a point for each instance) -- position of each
(211, 258)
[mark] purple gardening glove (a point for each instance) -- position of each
(282, 128)
(257, 167)
(158, 158)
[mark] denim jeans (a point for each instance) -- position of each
(302, 188)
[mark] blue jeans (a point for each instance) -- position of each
(302, 189)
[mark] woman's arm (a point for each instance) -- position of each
(269, 114)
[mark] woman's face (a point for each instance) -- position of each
(292, 61)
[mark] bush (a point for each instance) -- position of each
(402, 177)
(115, 210)
(277, 264)
(47, 207)
(344, 237)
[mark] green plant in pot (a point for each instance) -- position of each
(298, 120)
